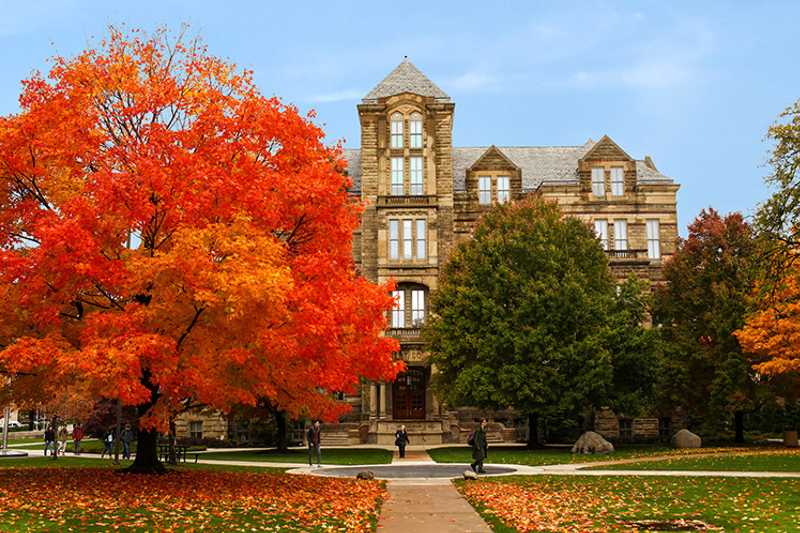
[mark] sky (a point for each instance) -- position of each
(695, 85)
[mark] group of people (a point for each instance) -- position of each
(477, 442)
(55, 439)
(56, 436)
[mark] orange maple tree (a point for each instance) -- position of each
(169, 236)
(772, 332)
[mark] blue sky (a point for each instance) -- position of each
(693, 84)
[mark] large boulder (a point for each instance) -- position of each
(469, 474)
(591, 442)
(686, 439)
(366, 474)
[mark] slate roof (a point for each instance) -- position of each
(538, 163)
(406, 78)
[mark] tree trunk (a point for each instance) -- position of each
(146, 460)
(117, 432)
(173, 440)
(738, 423)
(283, 436)
(533, 430)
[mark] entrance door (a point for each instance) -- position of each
(408, 394)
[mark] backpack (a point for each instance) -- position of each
(471, 439)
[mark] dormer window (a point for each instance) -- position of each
(415, 130)
(397, 130)
(598, 181)
(484, 190)
(503, 190)
(617, 181)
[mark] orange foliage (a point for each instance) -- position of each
(243, 285)
(772, 333)
(93, 498)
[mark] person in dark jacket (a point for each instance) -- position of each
(401, 440)
(127, 438)
(314, 438)
(49, 440)
(480, 449)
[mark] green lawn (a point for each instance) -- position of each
(582, 503)
(82, 462)
(780, 461)
(547, 456)
(330, 456)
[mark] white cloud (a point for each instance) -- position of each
(337, 96)
(471, 81)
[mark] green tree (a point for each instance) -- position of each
(709, 281)
(524, 316)
(777, 219)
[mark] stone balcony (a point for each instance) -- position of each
(405, 334)
(627, 256)
(406, 201)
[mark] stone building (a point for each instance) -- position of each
(423, 195)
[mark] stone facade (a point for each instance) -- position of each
(426, 185)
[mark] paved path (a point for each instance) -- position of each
(428, 509)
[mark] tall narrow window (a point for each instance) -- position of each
(407, 239)
(397, 176)
(484, 190)
(598, 182)
(399, 309)
(397, 130)
(601, 229)
(394, 239)
(416, 176)
(421, 239)
(653, 240)
(617, 181)
(620, 235)
(415, 130)
(503, 190)
(417, 307)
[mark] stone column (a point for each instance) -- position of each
(373, 399)
(384, 400)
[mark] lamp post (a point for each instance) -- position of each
(5, 452)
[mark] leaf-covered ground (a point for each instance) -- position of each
(190, 499)
(741, 461)
(550, 503)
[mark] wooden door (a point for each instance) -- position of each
(408, 394)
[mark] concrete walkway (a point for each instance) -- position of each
(428, 509)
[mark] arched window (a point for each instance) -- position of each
(415, 130)
(397, 130)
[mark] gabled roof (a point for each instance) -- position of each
(406, 78)
(538, 163)
(606, 143)
(490, 151)
(551, 164)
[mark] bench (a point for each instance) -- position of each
(181, 451)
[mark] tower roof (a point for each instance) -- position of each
(406, 78)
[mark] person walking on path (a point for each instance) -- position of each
(49, 440)
(62, 440)
(77, 437)
(127, 438)
(108, 441)
(480, 449)
(314, 438)
(401, 440)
